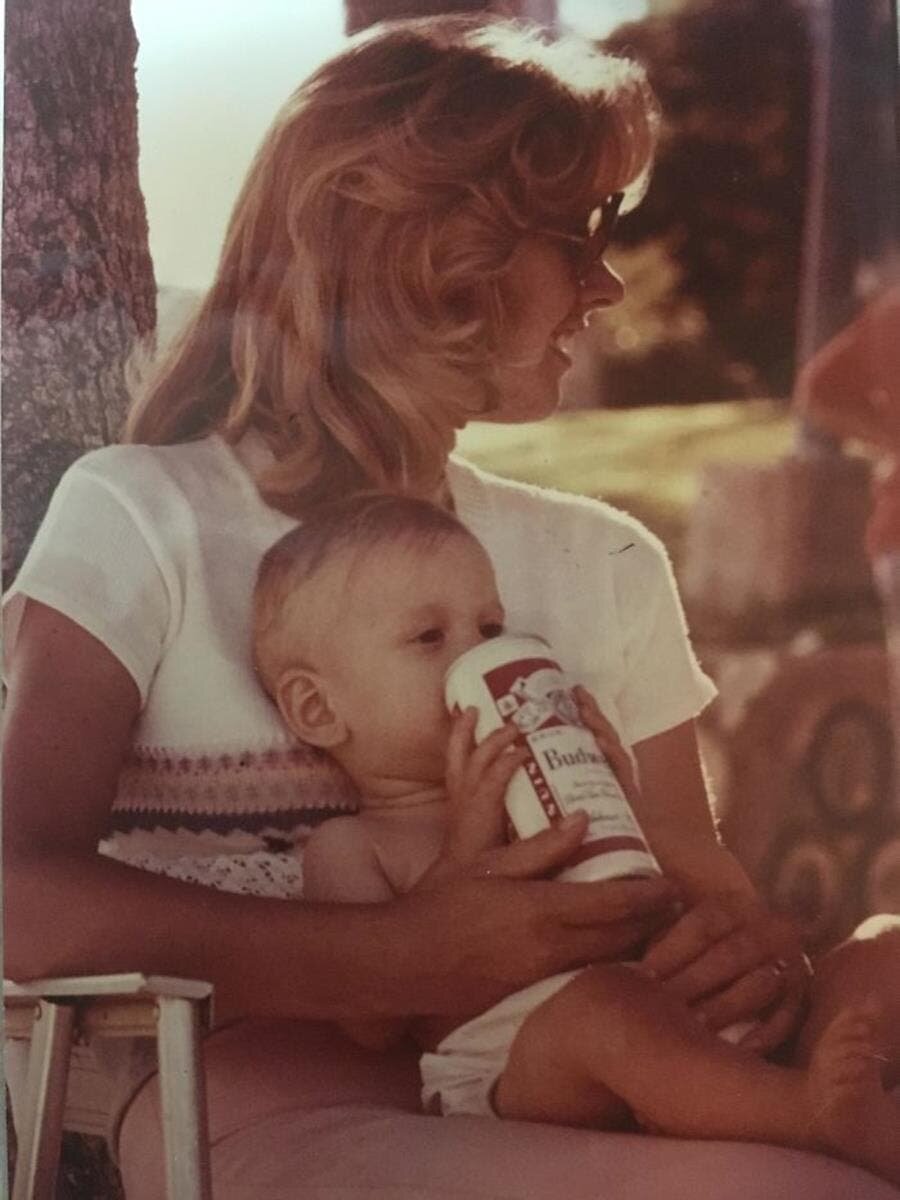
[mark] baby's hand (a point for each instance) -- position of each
(477, 778)
(475, 844)
(609, 742)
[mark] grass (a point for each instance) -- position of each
(644, 460)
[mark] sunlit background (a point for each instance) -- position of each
(211, 75)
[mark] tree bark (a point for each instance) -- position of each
(78, 285)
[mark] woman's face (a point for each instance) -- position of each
(547, 306)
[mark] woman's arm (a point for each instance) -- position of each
(672, 805)
(68, 910)
(851, 385)
(453, 949)
(727, 955)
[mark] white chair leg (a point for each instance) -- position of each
(40, 1136)
(185, 1130)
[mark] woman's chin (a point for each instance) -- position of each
(541, 406)
(534, 398)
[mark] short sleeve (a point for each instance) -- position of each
(92, 560)
(664, 683)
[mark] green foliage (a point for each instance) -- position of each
(727, 197)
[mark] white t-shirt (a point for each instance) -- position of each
(154, 550)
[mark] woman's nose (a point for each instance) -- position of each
(600, 288)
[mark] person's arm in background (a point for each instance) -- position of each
(851, 389)
(851, 386)
(68, 910)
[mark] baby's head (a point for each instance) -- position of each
(358, 613)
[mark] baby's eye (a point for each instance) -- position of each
(430, 637)
(491, 629)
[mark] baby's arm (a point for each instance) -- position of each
(341, 866)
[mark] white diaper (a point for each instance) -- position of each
(458, 1077)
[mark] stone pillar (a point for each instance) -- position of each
(770, 546)
(799, 751)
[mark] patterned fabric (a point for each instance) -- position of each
(274, 876)
(271, 781)
(168, 816)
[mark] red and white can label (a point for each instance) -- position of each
(512, 680)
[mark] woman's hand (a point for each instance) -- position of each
(732, 960)
(471, 941)
(727, 956)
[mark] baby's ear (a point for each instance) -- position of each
(303, 701)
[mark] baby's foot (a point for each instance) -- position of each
(852, 1113)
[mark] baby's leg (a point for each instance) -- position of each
(614, 1041)
(862, 970)
(612, 1037)
(854, 1110)
(862, 975)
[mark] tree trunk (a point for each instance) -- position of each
(852, 228)
(78, 286)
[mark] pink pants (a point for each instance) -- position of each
(299, 1113)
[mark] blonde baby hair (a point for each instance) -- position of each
(356, 524)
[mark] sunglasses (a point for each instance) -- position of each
(587, 250)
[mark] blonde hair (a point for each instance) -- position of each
(356, 311)
(359, 523)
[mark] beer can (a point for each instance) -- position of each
(516, 679)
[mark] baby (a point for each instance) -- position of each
(358, 615)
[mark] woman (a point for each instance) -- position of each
(419, 237)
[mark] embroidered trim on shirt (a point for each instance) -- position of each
(298, 778)
(259, 824)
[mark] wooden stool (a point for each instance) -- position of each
(54, 1013)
